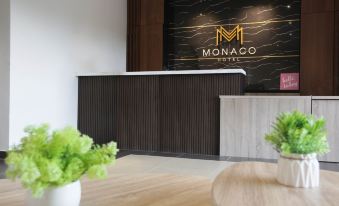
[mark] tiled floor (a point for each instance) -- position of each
(197, 165)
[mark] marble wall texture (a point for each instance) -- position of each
(271, 38)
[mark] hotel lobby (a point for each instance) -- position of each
(169, 102)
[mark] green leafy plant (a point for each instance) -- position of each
(45, 160)
(297, 133)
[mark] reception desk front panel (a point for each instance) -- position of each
(169, 113)
(246, 119)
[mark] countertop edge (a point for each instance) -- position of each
(280, 97)
(183, 72)
(264, 97)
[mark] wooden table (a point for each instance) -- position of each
(129, 190)
(255, 184)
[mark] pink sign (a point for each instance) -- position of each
(289, 81)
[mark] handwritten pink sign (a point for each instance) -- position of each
(289, 81)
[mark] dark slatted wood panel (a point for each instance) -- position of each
(177, 113)
(145, 35)
(123, 109)
(133, 38)
(317, 48)
(336, 53)
(190, 112)
(317, 6)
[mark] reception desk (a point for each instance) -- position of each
(167, 111)
(246, 119)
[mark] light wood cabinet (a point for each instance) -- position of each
(329, 109)
(244, 121)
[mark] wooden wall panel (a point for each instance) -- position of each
(336, 52)
(152, 12)
(151, 50)
(317, 48)
(145, 35)
(317, 40)
(317, 6)
(133, 40)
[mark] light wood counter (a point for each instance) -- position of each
(244, 121)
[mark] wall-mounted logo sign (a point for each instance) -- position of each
(262, 37)
(229, 52)
(222, 33)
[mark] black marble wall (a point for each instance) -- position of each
(272, 27)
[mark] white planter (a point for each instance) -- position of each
(68, 195)
(298, 170)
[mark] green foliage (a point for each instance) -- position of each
(45, 160)
(298, 133)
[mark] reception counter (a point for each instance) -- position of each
(166, 111)
(246, 119)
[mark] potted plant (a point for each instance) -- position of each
(50, 165)
(299, 138)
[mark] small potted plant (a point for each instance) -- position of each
(51, 165)
(299, 138)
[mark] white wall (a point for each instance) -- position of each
(52, 41)
(4, 72)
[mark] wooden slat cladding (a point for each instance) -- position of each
(318, 70)
(145, 35)
(190, 116)
(176, 113)
(336, 52)
(317, 6)
(123, 109)
(317, 54)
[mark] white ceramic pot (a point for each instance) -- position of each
(68, 195)
(298, 170)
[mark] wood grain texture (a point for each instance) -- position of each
(170, 113)
(120, 108)
(244, 121)
(329, 109)
(317, 54)
(129, 190)
(190, 115)
(145, 35)
(254, 184)
(336, 52)
(317, 6)
(150, 47)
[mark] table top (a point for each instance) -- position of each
(128, 190)
(255, 184)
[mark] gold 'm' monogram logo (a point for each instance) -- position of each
(222, 33)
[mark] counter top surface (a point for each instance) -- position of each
(280, 97)
(182, 72)
(264, 97)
